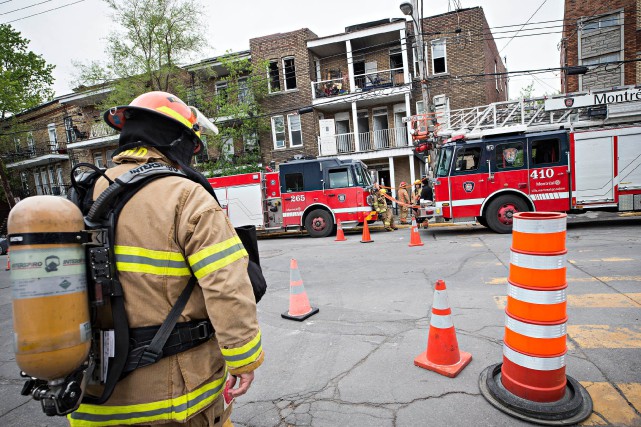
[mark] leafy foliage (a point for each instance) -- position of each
(234, 104)
(151, 39)
(25, 78)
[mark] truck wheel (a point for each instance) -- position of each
(481, 220)
(319, 223)
(500, 211)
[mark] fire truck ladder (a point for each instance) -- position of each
(515, 116)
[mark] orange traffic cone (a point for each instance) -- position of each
(366, 238)
(415, 238)
(340, 236)
(8, 262)
(299, 308)
(442, 355)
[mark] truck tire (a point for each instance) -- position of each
(319, 223)
(500, 211)
(481, 220)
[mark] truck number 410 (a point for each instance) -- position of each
(542, 173)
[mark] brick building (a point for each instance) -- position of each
(39, 159)
(363, 82)
(598, 32)
(289, 71)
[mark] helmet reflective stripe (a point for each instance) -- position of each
(176, 115)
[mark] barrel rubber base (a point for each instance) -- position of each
(574, 407)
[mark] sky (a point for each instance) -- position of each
(63, 31)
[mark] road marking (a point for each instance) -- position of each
(503, 280)
(592, 300)
(610, 408)
(605, 336)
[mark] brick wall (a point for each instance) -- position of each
(277, 47)
(470, 51)
(600, 41)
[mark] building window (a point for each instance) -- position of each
(44, 181)
(295, 134)
(417, 61)
(31, 144)
(36, 179)
(221, 92)
(278, 131)
(53, 139)
(250, 142)
(439, 57)
(61, 182)
(601, 22)
(274, 78)
(496, 76)
(600, 42)
(110, 160)
(289, 71)
(244, 94)
(97, 160)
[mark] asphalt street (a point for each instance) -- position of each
(352, 363)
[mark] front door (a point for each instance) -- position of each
(468, 182)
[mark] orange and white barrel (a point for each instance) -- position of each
(536, 312)
(52, 330)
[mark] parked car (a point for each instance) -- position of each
(4, 245)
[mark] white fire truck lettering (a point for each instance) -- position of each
(542, 173)
(298, 198)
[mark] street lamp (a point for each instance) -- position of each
(407, 7)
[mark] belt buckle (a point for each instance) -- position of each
(201, 331)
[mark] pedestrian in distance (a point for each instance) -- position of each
(404, 199)
(170, 230)
(426, 191)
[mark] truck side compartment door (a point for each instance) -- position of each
(549, 178)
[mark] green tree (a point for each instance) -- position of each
(145, 50)
(25, 78)
(25, 82)
(235, 107)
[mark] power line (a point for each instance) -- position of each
(45, 11)
(532, 16)
(5, 1)
(26, 7)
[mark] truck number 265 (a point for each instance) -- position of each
(299, 198)
(542, 173)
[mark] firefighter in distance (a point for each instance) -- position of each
(404, 199)
(381, 207)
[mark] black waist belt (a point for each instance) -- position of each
(184, 336)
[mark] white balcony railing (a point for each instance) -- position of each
(362, 82)
(367, 141)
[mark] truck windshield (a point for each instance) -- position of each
(444, 160)
(362, 177)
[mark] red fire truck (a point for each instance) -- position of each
(303, 194)
(488, 179)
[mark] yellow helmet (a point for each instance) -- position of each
(383, 191)
(418, 181)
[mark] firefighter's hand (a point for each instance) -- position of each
(378, 209)
(245, 381)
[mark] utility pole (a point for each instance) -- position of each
(410, 8)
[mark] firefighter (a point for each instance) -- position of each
(404, 199)
(170, 229)
(385, 211)
(416, 196)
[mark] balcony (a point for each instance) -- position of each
(99, 135)
(384, 139)
(371, 81)
(36, 156)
